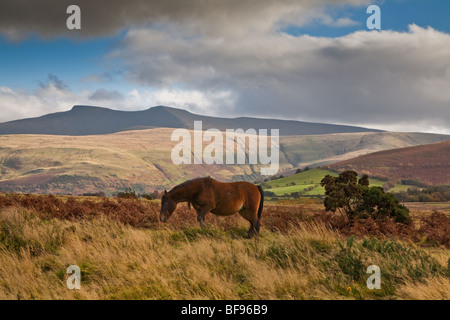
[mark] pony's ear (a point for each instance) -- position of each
(165, 192)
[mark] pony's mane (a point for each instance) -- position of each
(184, 184)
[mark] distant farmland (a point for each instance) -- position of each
(307, 183)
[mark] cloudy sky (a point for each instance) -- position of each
(311, 60)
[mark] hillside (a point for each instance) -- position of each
(87, 120)
(331, 148)
(429, 164)
(141, 159)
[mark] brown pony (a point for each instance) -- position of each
(222, 199)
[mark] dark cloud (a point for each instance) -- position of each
(53, 80)
(47, 18)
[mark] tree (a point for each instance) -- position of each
(359, 200)
(342, 193)
(295, 195)
(364, 181)
(269, 193)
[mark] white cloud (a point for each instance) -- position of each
(367, 77)
(345, 22)
(388, 80)
(18, 104)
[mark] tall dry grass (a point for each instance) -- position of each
(119, 261)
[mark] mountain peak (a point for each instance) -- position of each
(170, 109)
(85, 108)
(160, 107)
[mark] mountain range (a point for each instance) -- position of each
(88, 120)
(92, 149)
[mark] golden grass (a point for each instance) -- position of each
(435, 288)
(119, 261)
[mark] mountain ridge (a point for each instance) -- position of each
(93, 120)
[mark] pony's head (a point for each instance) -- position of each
(168, 206)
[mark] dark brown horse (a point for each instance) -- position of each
(222, 199)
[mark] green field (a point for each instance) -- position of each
(299, 182)
(307, 183)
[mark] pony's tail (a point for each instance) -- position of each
(260, 209)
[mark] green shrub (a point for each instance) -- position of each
(359, 200)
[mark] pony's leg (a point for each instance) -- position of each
(252, 217)
(201, 217)
(251, 232)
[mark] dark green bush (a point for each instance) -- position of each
(359, 200)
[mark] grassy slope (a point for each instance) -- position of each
(123, 262)
(142, 159)
(330, 148)
(115, 160)
(427, 163)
